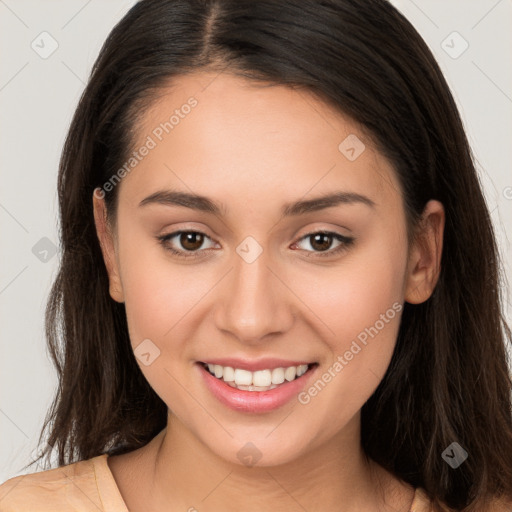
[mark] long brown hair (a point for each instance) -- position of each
(448, 380)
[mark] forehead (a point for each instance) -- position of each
(223, 136)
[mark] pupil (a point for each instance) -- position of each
(323, 246)
(190, 238)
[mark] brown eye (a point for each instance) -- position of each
(189, 243)
(191, 240)
(321, 243)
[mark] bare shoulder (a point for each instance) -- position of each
(422, 503)
(502, 504)
(46, 490)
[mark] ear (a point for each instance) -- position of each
(107, 244)
(424, 262)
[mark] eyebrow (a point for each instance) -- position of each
(205, 204)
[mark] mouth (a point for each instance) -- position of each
(257, 391)
(260, 380)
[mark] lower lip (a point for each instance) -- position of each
(255, 401)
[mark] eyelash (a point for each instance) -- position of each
(346, 243)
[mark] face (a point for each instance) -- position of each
(258, 283)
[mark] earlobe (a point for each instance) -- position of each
(107, 245)
(424, 263)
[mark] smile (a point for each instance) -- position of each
(261, 390)
(261, 380)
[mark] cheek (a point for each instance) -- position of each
(353, 295)
(361, 304)
(158, 293)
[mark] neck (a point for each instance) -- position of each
(333, 476)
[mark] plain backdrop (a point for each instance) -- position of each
(48, 48)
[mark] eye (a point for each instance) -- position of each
(191, 241)
(322, 240)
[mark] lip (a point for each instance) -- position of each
(255, 401)
(255, 365)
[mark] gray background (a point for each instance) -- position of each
(37, 99)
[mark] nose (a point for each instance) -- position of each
(254, 302)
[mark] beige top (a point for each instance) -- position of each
(87, 486)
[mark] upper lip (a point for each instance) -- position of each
(255, 364)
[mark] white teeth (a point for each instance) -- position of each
(277, 375)
(252, 388)
(290, 373)
(229, 374)
(260, 380)
(218, 371)
(243, 377)
(302, 369)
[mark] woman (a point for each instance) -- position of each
(279, 282)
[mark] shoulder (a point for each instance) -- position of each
(422, 503)
(502, 504)
(53, 490)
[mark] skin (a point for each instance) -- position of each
(254, 149)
